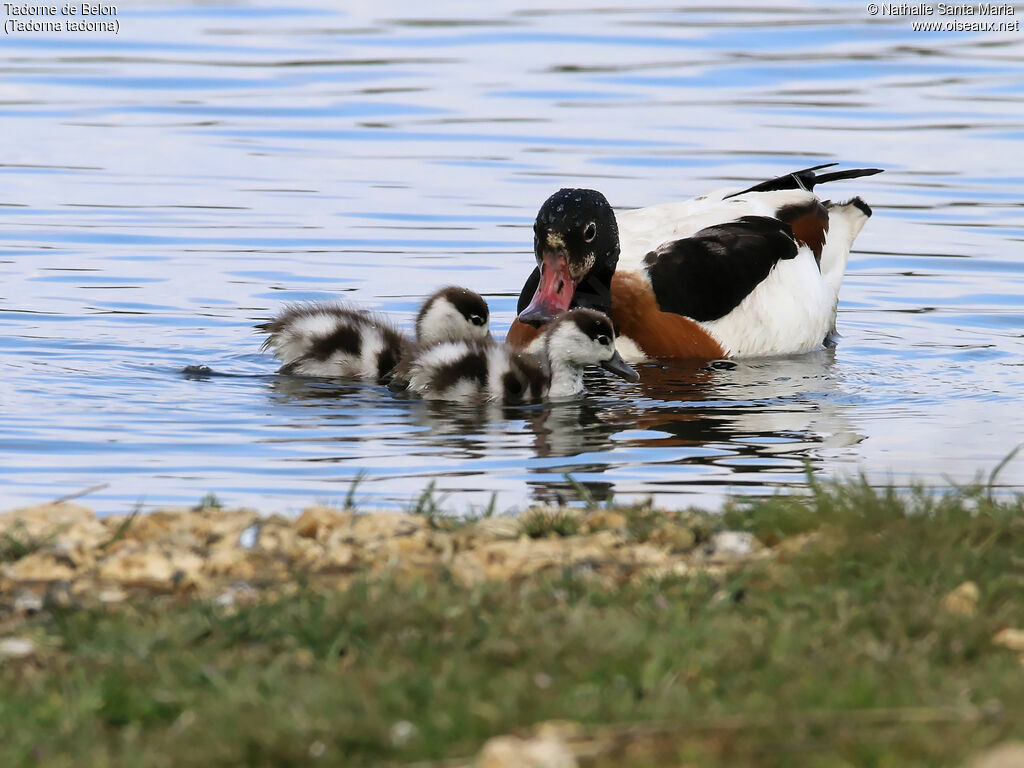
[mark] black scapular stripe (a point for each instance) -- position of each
(707, 275)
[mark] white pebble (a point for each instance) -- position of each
(16, 648)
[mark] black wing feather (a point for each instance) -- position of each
(807, 179)
(707, 275)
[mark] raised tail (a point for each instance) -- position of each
(845, 221)
(807, 179)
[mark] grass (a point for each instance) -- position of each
(430, 506)
(208, 502)
(125, 525)
(16, 544)
(541, 523)
(835, 653)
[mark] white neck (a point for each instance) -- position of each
(566, 378)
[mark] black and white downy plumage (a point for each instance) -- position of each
(475, 370)
(336, 340)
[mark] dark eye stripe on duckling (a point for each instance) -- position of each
(706, 276)
(593, 325)
(468, 303)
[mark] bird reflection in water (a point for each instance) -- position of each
(769, 405)
(316, 390)
(749, 419)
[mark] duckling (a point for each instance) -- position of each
(463, 370)
(332, 339)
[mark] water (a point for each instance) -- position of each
(163, 189)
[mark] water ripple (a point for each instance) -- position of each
(166, 189)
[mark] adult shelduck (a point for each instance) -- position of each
(487, 370)
(338, 340)
(728, 274)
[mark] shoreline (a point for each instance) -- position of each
(207, 551)
(853, 626)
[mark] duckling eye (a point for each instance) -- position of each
(476, 320)
(604, 341)
(590, 232)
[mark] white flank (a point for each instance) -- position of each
(789, 311)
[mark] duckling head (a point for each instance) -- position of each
(577, 339)
(453, 314)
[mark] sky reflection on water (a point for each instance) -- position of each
(165, 189)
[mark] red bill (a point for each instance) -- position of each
(554, 292)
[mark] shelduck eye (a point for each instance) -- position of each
(603, 340)
(476, 320)
(590, 232)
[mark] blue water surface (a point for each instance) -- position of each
(165, 188)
